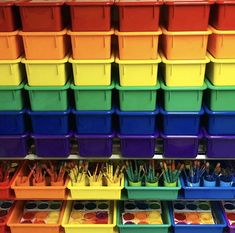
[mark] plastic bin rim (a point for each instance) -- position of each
(230, 2)
(137, 88)
(34, 113)
(226, 113)
(60, 33)
(22, 136)
(138, 2)
(138, 136)
(93, 136)
(105, 61)
(149, 33)
(91, 33)
(208, 136)
(189, 2)
(23, 111)
(61, 61)
(95, 112)
(221, 32)
(40, 136)
(14, 61)
(137, 113)
(198, 136)
(185, 33)
(92, 88)
(40, 3)
(13, 33)
(7, 2)
(220, 60)
(181, 88)
(133, 62)
(11, 88)
(164, 112)
(89, 2)
(47, 88)
(218, 88)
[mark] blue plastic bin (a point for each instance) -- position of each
(132, 123)
(12, 122)
(93, 122)
(181, 123)
(50, 123)
(220, 123)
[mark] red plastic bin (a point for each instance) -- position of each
(223, 15)
(42, 15)
(137, 15)
(90, 15)
(187, 15)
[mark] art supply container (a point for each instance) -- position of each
(91, 45)
(189, 45)
(138, 146)
(140, 123)
(93, 97)
(219, 71)
(5, 214)
(184, 72)
(138, 72)
(47, 72)
(138, 45)
(55, 45)
(221, 44)
(138, 16)
(93, 122)
(92, 72)
(181, 123)
(183, 98)
(11, 45)
(143, 98)
(48, 98)
(11, 72)
(52, 145)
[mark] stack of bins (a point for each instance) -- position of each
(91, 60)
(13, 130)
(184, 46)
(138, 60)
(220, 106)
(46, 47)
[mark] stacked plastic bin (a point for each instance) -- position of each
(92, 85)
(46, 54)
(184, 45)
(220, 107)
(138, 60)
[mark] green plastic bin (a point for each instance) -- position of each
(183, 98)
(50, 98)
(12, 97)
(93, 97)
(146, 228)
(138, 98)
(220, 98)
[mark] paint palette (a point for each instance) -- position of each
(229, 208)
(137, 206)
(41, 212)
(5, 207)
(192, 206)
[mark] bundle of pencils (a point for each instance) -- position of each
(194, 171)
(7, 170)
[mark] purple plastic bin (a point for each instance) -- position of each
(180, 146)
(14, 145)
(95, 145)
(138, 146)
(52, 145)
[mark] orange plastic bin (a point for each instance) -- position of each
(11, 46)
(91, 45)
(185, 45)
(45, 45)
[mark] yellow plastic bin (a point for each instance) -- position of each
(47, 72)
(184, 72)
(138, 72)
(138, 45)
(11, 72)
(89, 228)
(221, 72)
(92, 72)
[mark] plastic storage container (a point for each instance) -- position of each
(42, 16)
(92, 72)
(220, 98)
(54, 45)
(93, 122)
(48, 98)
(184, 72)
(11, 45)
(187, 15)
(138, 16)
(191, 45)
(95, 145)
(138, 72)
(90, 15)
(221, 44)
(138, 146)
(91, 45)
(181, 123)
(93, 97)
(11, 72)
(132, 123)
(47, 72)
(138, 45)
(183, 98)
(52, 145)
(50, 123)
(138, 98)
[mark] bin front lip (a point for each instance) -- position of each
(137, 88)
(61, 61)
(23, 111)
(199, 113)
(39, 136)
(166, 88)
(216, 113)
(133, 62)
(105, 61)
(186, 33)
(229, 2)
(218, 88)
(21, 136)
(46, 113)
(37, 3)
(150, 33)
(136, 113)
(165, 136)
(221, 32)
(138, 2)
(14, 33)
(60, 33)
(89, 2)
(189, 2)
(7, 2)
(93, 136)
(91, 33)
(92, 88)
(12, 88)
(139, 136)
(47, 88)
(95, 112)
(218, 60)
(208, 136)
(18, 60)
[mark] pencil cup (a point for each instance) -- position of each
(95, 183)
(135, 184)
(209, 181)
(116, 184)
(155, 184)
(225, 181)
(193, 184)
(42, 183)
(78, 184)
(166, 184)
(22, 181)
(57, 183)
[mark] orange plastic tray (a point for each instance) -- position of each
(11, 46)
(185, 45)
(221, 44)
(45, 45)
